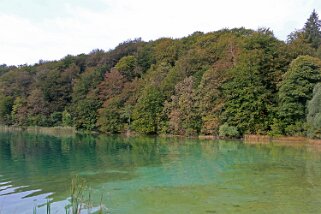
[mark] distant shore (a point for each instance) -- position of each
(71, 131)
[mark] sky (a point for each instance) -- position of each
(51, 29)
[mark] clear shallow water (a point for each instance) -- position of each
(157, 175)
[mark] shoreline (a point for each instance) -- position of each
(251, 139)
(52, 131)
(280, 139)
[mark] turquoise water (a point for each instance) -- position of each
(158, 175)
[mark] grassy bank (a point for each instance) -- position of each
(279, 139)
(54, 131)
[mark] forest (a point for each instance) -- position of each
(225, 83)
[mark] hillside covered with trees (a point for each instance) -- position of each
(229, 83)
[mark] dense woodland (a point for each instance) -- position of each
(229, 83)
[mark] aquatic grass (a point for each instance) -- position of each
(52, 131)
(78, 201)
(78, 187)
(48, 207)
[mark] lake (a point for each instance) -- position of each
(159, 175)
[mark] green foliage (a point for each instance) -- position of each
(166, 50)
(85, 101)
(145, 57)
(147, 111)
(56, 86)
(66, 118)
(86, 82)
(314, 113)
(210, 98)
(277, 127)
(36, 104)
(110, 117)
(247, 99)
(295, 90)
(181, 110)
(6, 104)
(197, 84)
(306, 41)
(297, 45)
(172, 77)
(38, 120)
(228, 131)
(16, 82)
(19, 112)
(56, 119)
(128, 67)
(4, 69)
(84, 114)
(312, 30)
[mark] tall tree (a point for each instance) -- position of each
(112, 85)
(312, 30)
(314, 113)
(147, 111)
(85, 101)
(6, 103)
(209, 96)
(295, 90)
(249, 94)
(128, 67)
(247, 101)
(181, 110)
(110, 120)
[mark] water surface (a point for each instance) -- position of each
(159, 175)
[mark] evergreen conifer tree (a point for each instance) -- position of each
(312, 30)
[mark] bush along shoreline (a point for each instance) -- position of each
(227, 83)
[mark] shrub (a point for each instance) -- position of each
(228, 131)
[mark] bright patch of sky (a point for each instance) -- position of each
(51, 29)
(37, 10)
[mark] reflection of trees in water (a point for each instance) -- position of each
(49, 163)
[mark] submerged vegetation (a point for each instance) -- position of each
(229, 82)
